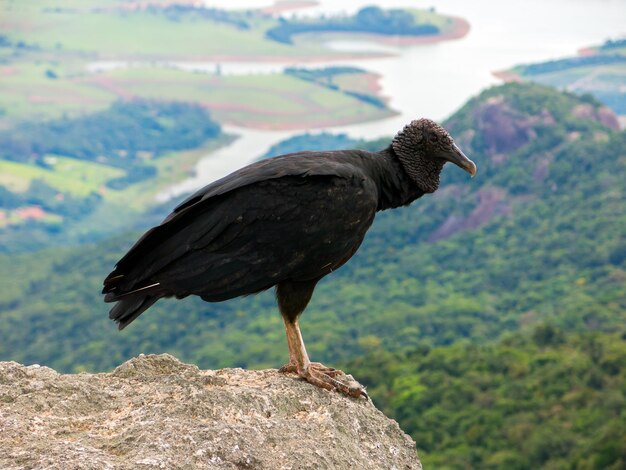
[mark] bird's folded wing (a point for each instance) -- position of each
(248, 238)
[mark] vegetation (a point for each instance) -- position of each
(103, 29)
(70, 132)
(106, 30)
(76, 177)
(181, 12)
(570, 63)
(321, 141)
(44, 69)
(124, 135)
(326, 77)
(541, 399)
(488, 318)
(602, 74)
(498, 345)
(66, 168)
(276, 99)
(66, 206)
(429, 288)
(27, 93)
(370, 19)
(266, 100)
(614, 44)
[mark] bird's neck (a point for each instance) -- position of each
(395, 187)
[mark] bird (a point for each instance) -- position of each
(283, 223)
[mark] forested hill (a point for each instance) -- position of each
(536, 236)
(482, 269)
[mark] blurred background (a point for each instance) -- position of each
(489, 319)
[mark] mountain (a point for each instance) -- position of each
(537, 236)
(526, 261)
(599, 71)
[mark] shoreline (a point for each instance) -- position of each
(276, 120)
(312, 125)
(460, 28)
(373, 84)
(587, 51)
(244, 58)
(507, 76)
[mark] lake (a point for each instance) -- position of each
(433, 80)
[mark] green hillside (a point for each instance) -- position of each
(537, 236)
(540, 399)
(601, 71)
(59, 177)
(488, 295)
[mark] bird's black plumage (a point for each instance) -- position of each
(286, 222)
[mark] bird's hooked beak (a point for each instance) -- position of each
(457, 157)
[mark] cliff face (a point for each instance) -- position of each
(156, 412)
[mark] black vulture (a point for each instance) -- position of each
(285, 222)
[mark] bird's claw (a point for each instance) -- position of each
(290, 368)
(325, 377)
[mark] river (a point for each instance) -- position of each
(436, 79)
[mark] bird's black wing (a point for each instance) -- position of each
(287, 218)
(296, 164)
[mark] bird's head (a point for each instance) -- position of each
(423, 147)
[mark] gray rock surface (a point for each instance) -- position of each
(156, 412)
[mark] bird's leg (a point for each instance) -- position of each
(298, 357)
(313, 372)
(295, 343)
(293, 298)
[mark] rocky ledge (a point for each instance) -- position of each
(156, 412)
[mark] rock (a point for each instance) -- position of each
(156, 412)
(603, 115)
(504, 129)
(492, 201)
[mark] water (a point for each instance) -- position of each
(432, 80)
(250, 145)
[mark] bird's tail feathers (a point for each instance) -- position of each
(129, 308)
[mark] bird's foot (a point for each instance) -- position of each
(326, 377)
(289, 368)
(292, 367)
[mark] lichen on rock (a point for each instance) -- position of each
(156, 412)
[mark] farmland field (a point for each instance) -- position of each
(98, 29)
(47, 78)
(66, 174)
